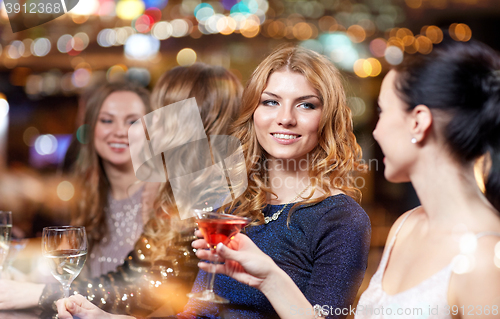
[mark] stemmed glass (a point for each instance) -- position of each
(5, 229)
(65, 249)
(216, 228)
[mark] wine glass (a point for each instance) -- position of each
(65, 249)
(5, 229)
(216, 228)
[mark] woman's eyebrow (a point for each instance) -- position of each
(306, 97)
(272, 94)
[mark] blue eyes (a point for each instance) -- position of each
(305, 105)
(106, 121)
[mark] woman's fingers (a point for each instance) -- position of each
(200, 244)
(64, 306)
(198, 233)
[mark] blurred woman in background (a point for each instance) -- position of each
(110, 202)
(161, 268)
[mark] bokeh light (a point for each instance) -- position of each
(65, 191)
(394, 55)
(460, 32)
(141, 46)
(82, 134)
(356, 33)
(186, 57)
(30, 135)
(434, 33)
(377, 47)
(45, 144)
(162, 30)
(4, 107)
(40, 47)
(129, 9)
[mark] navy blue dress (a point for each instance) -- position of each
(324, 250)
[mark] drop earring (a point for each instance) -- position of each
(414, 140)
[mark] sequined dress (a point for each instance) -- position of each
(124, 224)
(134, 285)
(324, 251)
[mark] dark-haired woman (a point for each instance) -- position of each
(438, 114)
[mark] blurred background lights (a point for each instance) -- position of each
(116, 73)
(160, 4)
(377, 47)
(64, 43)
(460, 32)
(30, 135)
(433, 33)
(65, 191)
(106, 37)
(186, 57)
(4, 107)
(129, 9)
(357, 106)
(40, 47)
(339, 47)
(139, 75)
(356, 33)
(85, 8)
(393, 55)
(45, 144)
(162, 30)
(141, 46)
(203, 11)
(106, 8)
(180, 28)
(82, 134)
(15, 49)
(81, 78)
(143, 23)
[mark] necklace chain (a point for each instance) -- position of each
(275, 216)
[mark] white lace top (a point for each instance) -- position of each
(428, 300)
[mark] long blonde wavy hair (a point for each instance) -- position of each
(337, 155)
(91, 180)
(218, 95)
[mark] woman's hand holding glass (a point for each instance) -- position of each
(242, 260)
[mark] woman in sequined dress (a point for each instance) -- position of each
(110, 202)
(300, 151)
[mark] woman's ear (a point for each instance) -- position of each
(421, 122)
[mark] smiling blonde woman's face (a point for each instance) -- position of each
(288, 116)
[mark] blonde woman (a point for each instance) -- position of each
(438, 113)
(296, 131)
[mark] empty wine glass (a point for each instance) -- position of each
(65, 249)
(5, 230)
(216, 228)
